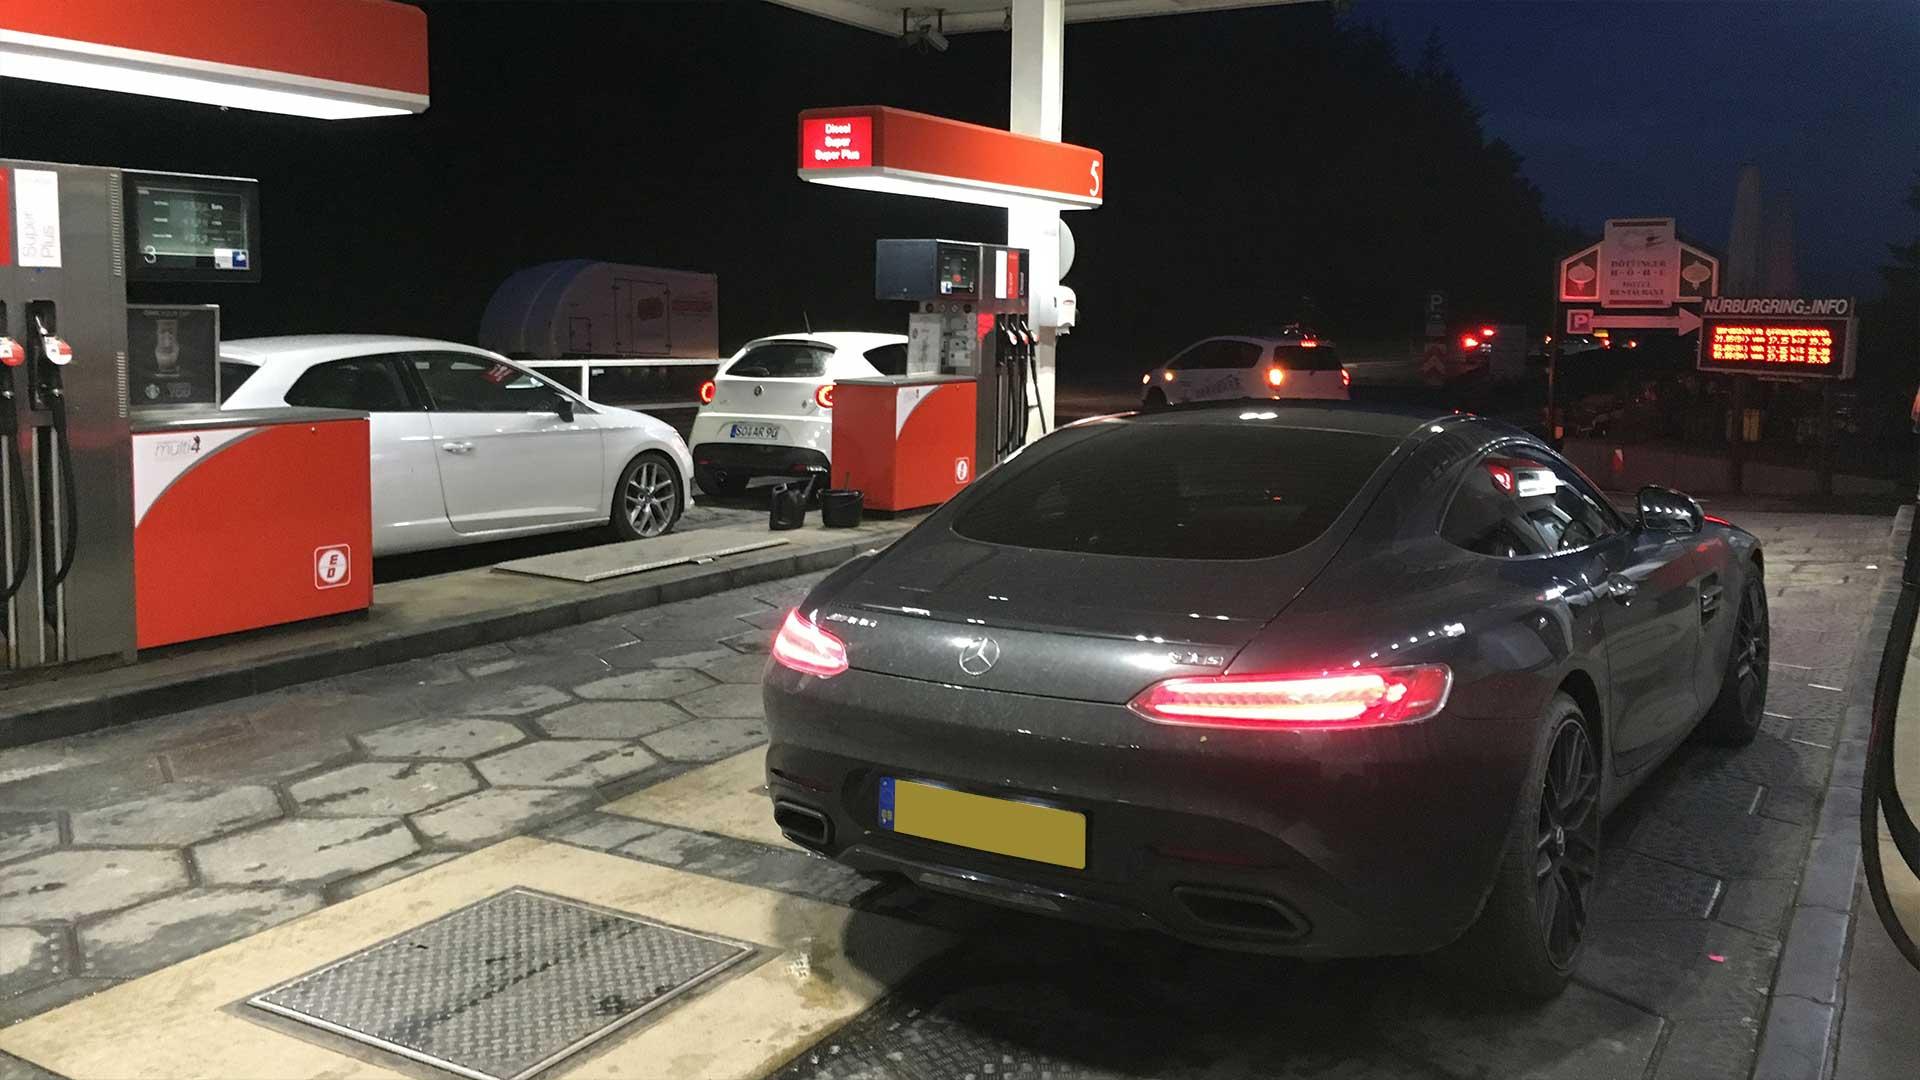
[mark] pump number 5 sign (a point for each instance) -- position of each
(332, 566)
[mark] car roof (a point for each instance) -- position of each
(841, 340)
(1359, 418)
(263, 350)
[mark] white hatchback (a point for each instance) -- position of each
(1230, 368)
(468, 446)
(769, 410)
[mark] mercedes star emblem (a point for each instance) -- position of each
(978, 655)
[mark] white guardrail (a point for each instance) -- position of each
(632, 382)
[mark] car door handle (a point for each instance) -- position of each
(1620, 588)
(457, 447)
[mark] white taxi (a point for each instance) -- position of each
(769, 410)
(1228, 368)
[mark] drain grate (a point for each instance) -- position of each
(505, 987)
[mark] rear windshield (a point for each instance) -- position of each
(1179, 491)
(782, 360)
(1302, 358)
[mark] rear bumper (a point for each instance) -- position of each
(759, 459)
(1366, 842)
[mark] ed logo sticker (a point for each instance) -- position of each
(332, 566)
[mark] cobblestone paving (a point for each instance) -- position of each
(127, 850)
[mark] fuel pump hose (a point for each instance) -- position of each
(21, 561)
(69, 494)
(1880, 787)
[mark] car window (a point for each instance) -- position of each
(1302, 358)
(1193, 357)
(1239, 354)
(232, 376)
(782, 360)
(467, 382)
(1185, 491)
(889, 359)
(1524, 502)
(365, 383)
(1484, 516)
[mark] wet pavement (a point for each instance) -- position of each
(133, 850)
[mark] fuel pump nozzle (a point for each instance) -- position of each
(13, 355)
(47, 355)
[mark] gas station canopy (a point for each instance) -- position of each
(969, 16)
(327, 59)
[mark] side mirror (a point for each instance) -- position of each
(563, 407)
(1664, 510)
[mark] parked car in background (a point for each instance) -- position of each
(1290, 364)
(468, 446)
(769, 410)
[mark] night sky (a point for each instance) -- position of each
(1649, 108)
(1253, 157)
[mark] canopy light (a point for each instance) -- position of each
(876, 148)
(326, 59)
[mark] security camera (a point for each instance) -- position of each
(928, 35)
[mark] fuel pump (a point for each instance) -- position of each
(971, 319)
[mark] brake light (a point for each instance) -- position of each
(707, 390)
(823, 395)
(1468, 341)
(804, 647)
(1309, 343)
(1711, 520)
(1346, 377)
(1502, 477)
(1486, 331)
(1359, 698)
(1276, 376)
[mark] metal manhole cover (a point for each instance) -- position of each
(501, 989)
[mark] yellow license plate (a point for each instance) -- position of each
(1023, 830)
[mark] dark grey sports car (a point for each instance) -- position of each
(1304, 679)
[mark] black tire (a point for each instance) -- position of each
(1530, 934)
(1154, 401)
(648, 499)
(1734, 717)
(714, 482)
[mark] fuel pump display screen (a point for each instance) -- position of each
(191, 228)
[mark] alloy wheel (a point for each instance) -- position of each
(1751, 644)
(1567, 845)
(649, 499)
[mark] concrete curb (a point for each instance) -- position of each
(1797, 1039)
(128, 696)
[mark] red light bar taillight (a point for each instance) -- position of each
(823, 395)
(1359, 698)
(806, 648)
(707, 390)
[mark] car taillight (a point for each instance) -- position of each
(1360, 698)
(1346, 377)
(1502, 477)
(707, 390)
(1468, 341)
(806, 648)
(823, 395)
(1486, 331)
(1276, 376)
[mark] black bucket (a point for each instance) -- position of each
(788, 509)
(840, 507)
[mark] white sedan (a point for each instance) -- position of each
(769, 410)
(468, 446)
(1287, 365)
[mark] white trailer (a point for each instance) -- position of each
(635, 336)
(579, 308)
